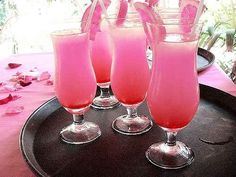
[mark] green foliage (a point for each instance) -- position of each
(223, 30)
(2, 12)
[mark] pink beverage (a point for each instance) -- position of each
(173, 94)
(75, 82)
(101, 55)
(130, 72)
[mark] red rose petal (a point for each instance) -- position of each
(9, 98)
(49, 82)
(14, 109)
(6, 100)
(13, 65)
(24, 84)
(44, 76)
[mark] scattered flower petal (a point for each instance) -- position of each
(33, 74)
(9, 98)
(18, 73)
(49, 82)
(44, 76)
(13, 65)
(15, 97)
(10, 87)
(24, 84)
(25, 78)
(6, 100)
(34, 69)
(14, 109)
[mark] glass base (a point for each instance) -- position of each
(105, 102)
(132, 126)
(80, 133)
(170, 156)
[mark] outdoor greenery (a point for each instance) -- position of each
(2, 12)
(220, 33)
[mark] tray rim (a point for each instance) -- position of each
(41, 173)
(38, 172)
(210, 59)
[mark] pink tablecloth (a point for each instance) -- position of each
(11, 160)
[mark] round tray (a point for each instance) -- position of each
(116, 155)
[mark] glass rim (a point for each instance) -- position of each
(65, 31)
(177, 23)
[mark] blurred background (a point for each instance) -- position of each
(25, 26)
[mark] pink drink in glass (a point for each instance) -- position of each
(130, 76)
(101, 55)
(174, 95)
(75, 81)
(130, 72)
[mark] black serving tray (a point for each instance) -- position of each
(116, 155)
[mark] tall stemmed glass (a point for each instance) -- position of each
(101, 56)
(173, 94)
(130, 75)
(75, 83)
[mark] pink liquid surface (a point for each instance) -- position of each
(130, 73)
(75, 82)
(101, 55)
(173, 94)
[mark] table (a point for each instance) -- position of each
(32, 96)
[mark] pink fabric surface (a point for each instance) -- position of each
(32, 96)
(215, 77)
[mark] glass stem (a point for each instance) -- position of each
(78, 119)
(132, 112)
(104, 91)
(171, 138)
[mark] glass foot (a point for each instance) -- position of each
(80, 133)
(170, 156)
(132, 126)
(105, 102)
